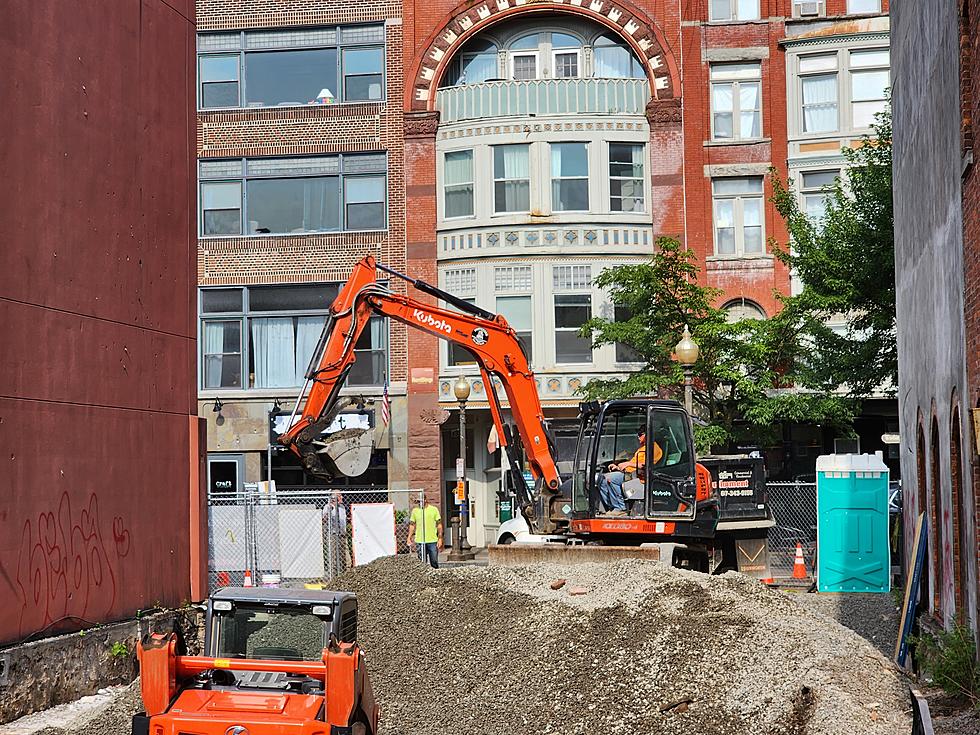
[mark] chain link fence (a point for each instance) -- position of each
(794, 506)
(300, 536)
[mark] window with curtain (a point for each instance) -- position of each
(738, 216)
(613, 59)
(458, 184)
(736, 101)
(869, 84)
(626, 177)
(314, 66)
(819, 95)
(511, 178)
(570, 177)
(293, 195)
(814, 191)
(281, 326)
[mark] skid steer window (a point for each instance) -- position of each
(280, 634)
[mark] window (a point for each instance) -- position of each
(613, 59)
(524, 66)
(517, 311)
(476, 63)
(458, 184)
(736, 104)
(818, 79)
(570, 177)
(869, 82)
(316, 66)
(293, 195)
(278, 327)
(814, 185)
(863, 6)
(572, 310)
(738, 216)
(626, 177)
(742, 308)
(459, 282)
(734, 10)
(511, 182)
(565, 55)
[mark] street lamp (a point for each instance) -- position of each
(461, 549)
(687, 352)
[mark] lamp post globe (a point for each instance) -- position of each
(686, 351)
(461, 388)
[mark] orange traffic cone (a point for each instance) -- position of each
(799, 566)
(248, 579)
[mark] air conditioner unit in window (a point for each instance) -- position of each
(808, 8)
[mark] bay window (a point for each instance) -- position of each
(316, 66)
(263, 337)
(293, 195)
(626, 177)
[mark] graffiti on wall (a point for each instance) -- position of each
(68, 565)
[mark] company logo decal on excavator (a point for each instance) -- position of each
(480, 336)
(441, 324)
(237, 730)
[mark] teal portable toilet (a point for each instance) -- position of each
(852, 524)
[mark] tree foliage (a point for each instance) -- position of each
(845, 260)
(743, 377)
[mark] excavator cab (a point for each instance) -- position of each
(654, 439)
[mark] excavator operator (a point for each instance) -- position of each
(611, 482)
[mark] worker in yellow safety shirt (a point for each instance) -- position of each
(425, 530)
(611, 482)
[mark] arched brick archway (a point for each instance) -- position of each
(635, 27)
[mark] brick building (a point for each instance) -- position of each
(533, 144)
(937, 229)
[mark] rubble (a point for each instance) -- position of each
(649, 649)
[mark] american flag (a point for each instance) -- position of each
(386, 406)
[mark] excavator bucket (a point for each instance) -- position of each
(347, 452)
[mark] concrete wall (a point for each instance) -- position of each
(929, 274)
(98, 426)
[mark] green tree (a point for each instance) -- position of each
(743, 376)
(845, 260)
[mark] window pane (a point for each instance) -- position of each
(516, 310)
(301, 297)
(869, 85)
(824, 62)
(736, 71)
(725, 213)
(564, 40)
(566, 65)
(722, 98)
(219, 94)
(525, 67)
(224, 195)
(726, 240)
(875, 57)
(864, 113)
(572, 310)
(219, 68)
(748, 9)
(751, 212)
(569, 159)
(625, 160)
(753, 239)
(511, 196)
(626, 195)
(820, 103)
(863, 6)
(293, 205)
(458, 167)
(363, 61)
(612, 60)
(724, 125)
(819, 179)
(365, 189)
(721, 9)
(363, 74)
(526, 42)
(272, 353)
(222, 354)
(290, 77)
(223, 222)
(478, 68)
(459, 200)
(748, 185)
(366, 216)
(624, 353)
(363, 87)
(570, 195)
(510, 161)
(569, 347)
(221, 299)
(814, 205)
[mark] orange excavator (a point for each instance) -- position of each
(672, 502)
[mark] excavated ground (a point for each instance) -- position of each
(496, 651)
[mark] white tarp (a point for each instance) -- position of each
(300, 541)
(373, 531)
(226, 537)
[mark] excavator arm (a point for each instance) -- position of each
(493, 343)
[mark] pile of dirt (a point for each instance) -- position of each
(645, 649)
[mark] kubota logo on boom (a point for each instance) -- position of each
(427, 319)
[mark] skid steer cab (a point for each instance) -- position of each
(276, 662)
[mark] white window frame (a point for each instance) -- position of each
(472, 183)
(733, 16)
(735, 84)
(644, 176)
(555, 53)
(813, 191)
(801, 104)
(853, 70)
(572, 289)
(738, 215)
(512, 55)
(588, 179)
(852, 11)
(531, 172)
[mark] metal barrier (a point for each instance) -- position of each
(794, 506)
(297, 536)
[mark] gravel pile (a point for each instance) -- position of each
(872, 616)
(646, 649)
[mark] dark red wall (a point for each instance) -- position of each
(98, 429)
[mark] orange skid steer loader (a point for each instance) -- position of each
(279, 662)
